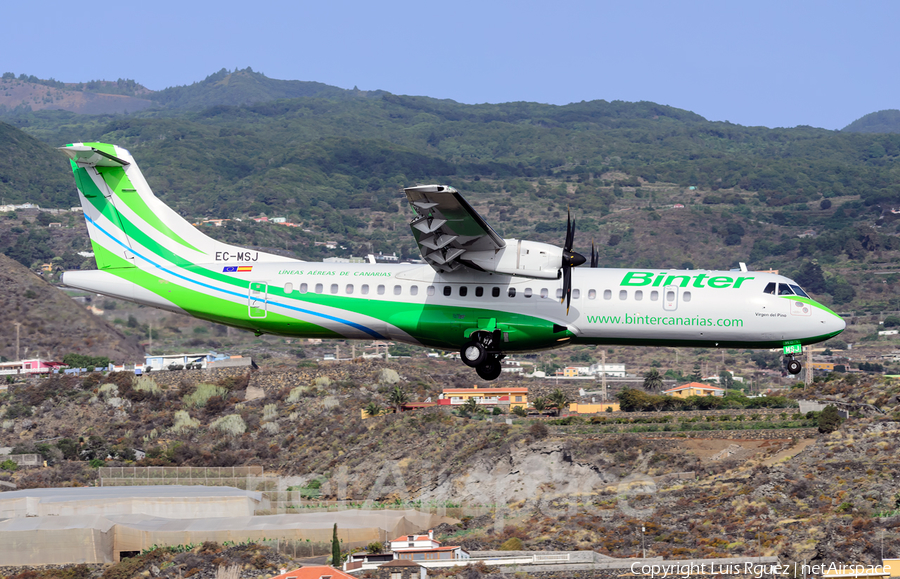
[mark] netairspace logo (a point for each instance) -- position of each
(756, 570)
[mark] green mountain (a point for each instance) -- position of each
(887, 121)
(32, 171)
(247, 87)
(336, 166)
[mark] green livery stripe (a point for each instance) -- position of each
(210, 307)
(670, 342)
(117, 180)
(811, 303)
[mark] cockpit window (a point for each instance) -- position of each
(770, 289)
(799, 291)
(785, 290)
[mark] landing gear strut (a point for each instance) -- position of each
(481, 352)
(793, 366)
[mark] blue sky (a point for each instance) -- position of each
(776, 64)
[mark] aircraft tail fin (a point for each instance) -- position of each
(129, 226)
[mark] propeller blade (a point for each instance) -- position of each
(570, 232)
(595, 255)
(567, 287)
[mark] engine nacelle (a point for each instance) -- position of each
(519, 257)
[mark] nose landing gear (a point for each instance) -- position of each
(481, 352)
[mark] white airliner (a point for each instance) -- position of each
(479, 294)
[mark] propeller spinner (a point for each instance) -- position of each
(570, 259)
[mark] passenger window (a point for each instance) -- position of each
(447, 290)
(319, 288)
(784, 290)
(527, 292)
(288, 287)
(654, 295)
(495, 292)
(576, 294)
(686, 296)
(623, 294)
(349, 288)
(430, 290)
(559, 293)
(770, 289)
(380, 290)
(798, 291)
(607, 294)
(397, 290)
(592, 294)
(364, 289)
(670, 296)
(414, 290)
(304, 288)
(479, 291)
(463, 291)
(638, 295)
(545, 293)
(334, 288)
(512, 292)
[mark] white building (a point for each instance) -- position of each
(614, 370)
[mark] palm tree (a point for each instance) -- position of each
(398, 398)
(469, 406)
(653, 381)
(539, 404)
(373, 409)
(559, 400)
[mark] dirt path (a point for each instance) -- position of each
(790, 452)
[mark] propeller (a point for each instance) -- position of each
(570, 259)
(595, 255)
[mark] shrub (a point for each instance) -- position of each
(202, 394)
(829, 420)
(146, 384)
(270, 412)
(538, 430)
(232, 424)
(512, 544)
(296, 393)
(109, 390)
(519, 411)
(9, 465)
(184, 422)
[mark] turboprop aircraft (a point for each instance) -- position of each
(477, 293)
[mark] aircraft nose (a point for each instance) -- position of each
(835, 324)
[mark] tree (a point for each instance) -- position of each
(335, 548)
(810, 277)
(373, 409)
(653, 381)
(559, 400)
(469, 407)
(374, 548)
(726, 380)
(696, 375)
(539, 404)
(398, 398)
(519, 411)
(829, 419)
(891, 321)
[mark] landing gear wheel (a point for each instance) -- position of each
(794, 367)
(473, 354)
(489, 370)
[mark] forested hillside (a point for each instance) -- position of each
(887, 121)
(335, 161)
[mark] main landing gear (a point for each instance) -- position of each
(482, 353)
(792, 365)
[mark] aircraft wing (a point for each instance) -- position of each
(446, 228)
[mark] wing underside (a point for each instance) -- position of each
(446, 228)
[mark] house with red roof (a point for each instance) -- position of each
(694, 389)
(315, 572)
(425, 548)
(485, 396)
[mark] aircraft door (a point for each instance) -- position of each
(670, 298)
(256, 304)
